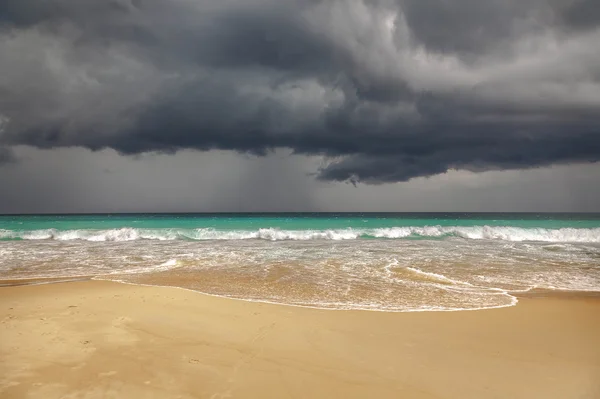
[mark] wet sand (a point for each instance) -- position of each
(94, 339)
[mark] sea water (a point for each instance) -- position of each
(383, 261)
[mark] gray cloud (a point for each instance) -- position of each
(71, 180)
(6, 156)
(580, 14)
(389, 90)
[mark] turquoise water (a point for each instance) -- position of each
(386, 262)
(208, 226)
(297, 221)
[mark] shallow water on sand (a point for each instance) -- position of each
(389, 264)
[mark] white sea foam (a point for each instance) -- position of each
(499, 233)
(437, 278)
(169, 263)
(393, 272)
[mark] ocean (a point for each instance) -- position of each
(368, 261)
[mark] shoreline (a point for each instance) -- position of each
(532, 293)
(293, 305)
(97, 338)
(18, 282)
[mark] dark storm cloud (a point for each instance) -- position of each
(481, 154)
(390, 90)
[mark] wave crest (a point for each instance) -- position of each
(500, 233)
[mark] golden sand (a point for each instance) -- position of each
(95, 339)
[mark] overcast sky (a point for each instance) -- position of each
(299, 105)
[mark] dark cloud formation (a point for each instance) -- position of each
(388, 90)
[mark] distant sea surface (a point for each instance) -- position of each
(371, 261)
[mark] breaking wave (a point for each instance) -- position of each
(500, 233)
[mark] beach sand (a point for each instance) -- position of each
(95, 339)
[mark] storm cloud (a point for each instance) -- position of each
(386, 90)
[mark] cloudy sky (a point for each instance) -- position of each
(299, 105)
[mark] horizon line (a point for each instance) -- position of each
(289, 213)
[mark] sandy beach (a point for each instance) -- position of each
(95, 339)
